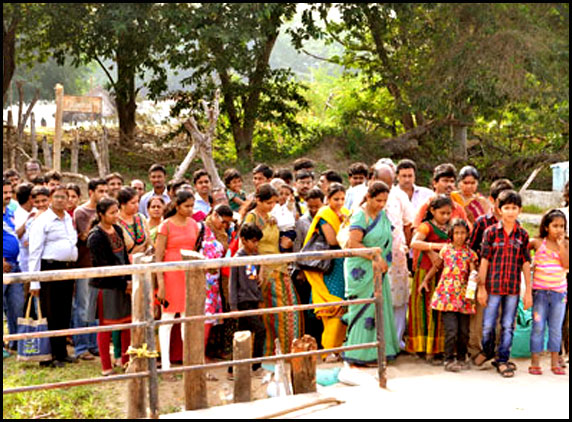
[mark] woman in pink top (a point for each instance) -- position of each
(178, 231)
(549, 289)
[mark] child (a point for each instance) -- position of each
(549, 289)
(458, 261)
(284, 213)
(504, 256)
(245, 293)
(425, 326)
(233, 182)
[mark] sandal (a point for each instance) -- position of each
(505, 370)
(480, 359)
(452, 366)
(535, 370)
(510, 364)
(107, 373)
(210, 377)
(558, 370)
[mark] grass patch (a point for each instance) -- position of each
(532, 229)
(534, 209)
(86, 402)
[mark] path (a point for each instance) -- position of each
(417, 390)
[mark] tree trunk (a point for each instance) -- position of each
(459, 134)
(125, 95)
(243, 143)
(8, 54)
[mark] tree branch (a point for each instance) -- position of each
(113, 83)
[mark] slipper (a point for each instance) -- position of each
(558, 370)
(107, 373)
(510, 364)
(452, 366)
(480, 359)
(505, 370)
(535, 370)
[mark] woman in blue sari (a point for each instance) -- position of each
(369, 228)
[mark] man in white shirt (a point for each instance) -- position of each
(202, 182)
(158, 178)
(358, 174)
(53, 240)
(23, 213)
(406, 174)
(401, 214)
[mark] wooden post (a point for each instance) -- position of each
(104, 151)
(195, 385)
(151, 343)
(242, 349)
(47, 152)
(136, 387)
(303, 370)
(59, 89)
(33, 142)
(74, 165)
(10, 141)
(379, 323)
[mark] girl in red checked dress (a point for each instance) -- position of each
(457, 260)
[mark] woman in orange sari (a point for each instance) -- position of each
(467, 196)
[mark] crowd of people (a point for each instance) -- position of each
(453, 261)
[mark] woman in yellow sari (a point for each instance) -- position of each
(330, 287)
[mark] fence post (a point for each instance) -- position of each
(303, 370)
(151, 343)
(136, 387)
(59, 89)
(242, 349)
(379, 322)
(195, 384)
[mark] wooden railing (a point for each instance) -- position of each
(144, 364)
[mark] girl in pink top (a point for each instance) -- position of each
(549, 289)
(178, 231)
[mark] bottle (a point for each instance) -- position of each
(472, 285)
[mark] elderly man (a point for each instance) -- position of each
(401, 213)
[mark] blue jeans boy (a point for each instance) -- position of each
(509, 304)
(13, 304)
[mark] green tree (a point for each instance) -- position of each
(132, 35)
(228, 46)
(444, 64)
(22, 41)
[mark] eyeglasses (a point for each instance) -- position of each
(63, 197)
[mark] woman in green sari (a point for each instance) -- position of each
(369, 227)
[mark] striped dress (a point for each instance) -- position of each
(548, 271)
(277, 290)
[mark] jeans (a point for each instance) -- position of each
(13, 305)
(83, 294)
(509, 306)
(456, 327)
(549, 307)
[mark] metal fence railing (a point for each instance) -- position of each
(143, 324)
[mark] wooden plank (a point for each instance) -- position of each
(74, 162)
(242, 349)
(195, 383)
(47, 152)
(303, 370)
(136, 387)
(59, 90)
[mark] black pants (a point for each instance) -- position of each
(255, 325)
(456, 327)
(56, 302)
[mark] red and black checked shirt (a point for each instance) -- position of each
(506, 256)
(482, 223)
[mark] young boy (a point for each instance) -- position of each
(475, 243)
(504, 256)
(234, 192)
(245, 291)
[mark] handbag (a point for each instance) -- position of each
(33, 349)
(317, 243)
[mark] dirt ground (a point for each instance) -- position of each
(415, 389)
